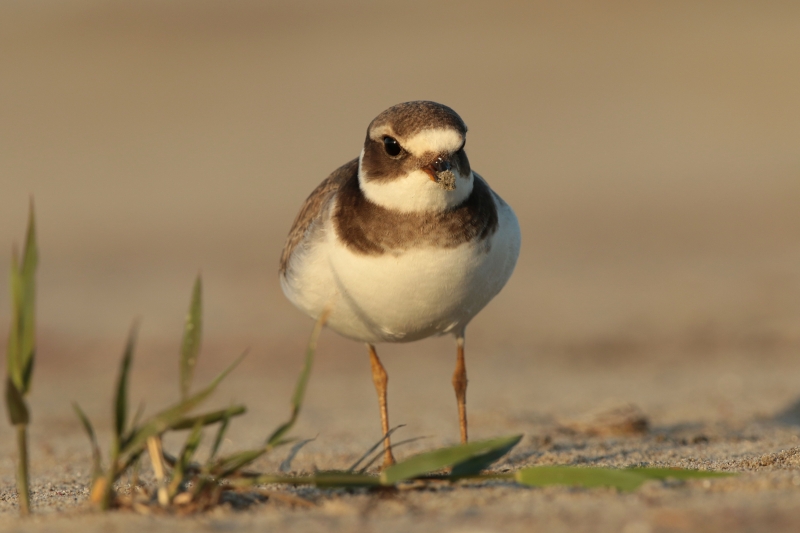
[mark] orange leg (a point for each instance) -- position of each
(460, 386)
(380, 379)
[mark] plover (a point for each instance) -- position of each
(402, 243)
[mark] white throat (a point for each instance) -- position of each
(415, 192)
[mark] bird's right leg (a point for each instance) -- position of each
(380, 379)
(460, 386)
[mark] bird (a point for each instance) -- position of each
(404, 242)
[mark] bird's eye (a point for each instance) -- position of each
(391, 146)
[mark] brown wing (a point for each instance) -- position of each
(313, 207)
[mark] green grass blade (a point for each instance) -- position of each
(588, 477)
(192, 335)
(27, 371)
(21, 352)
(97, 468)
(223, 428)
(372, 449)
(677, 473)
(23, 476)
(445, 457)
(478, 463)
(185, 459)
(167, 418)
(22, 334)
(232, 464)
(324, 479)
(137, 416)
(210, 418)
(13, 355)
(30, 256)
(379, 454)
(302, 382)
(121, 394)
(15, 404)
(158, 424)
(30, 261)
(344, 479)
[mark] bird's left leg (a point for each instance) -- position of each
(380, 378)
(460, 386)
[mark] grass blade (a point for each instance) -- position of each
(344, 479)
(480, 462)
(13, 356)
(137, 416)
(97, 468)
(121, 395)
(171, 416)
(323, 479)
(677, 473)
(445, 457)
(302, 382)
(540, 476)
(210, 418)
(223, 428)
(21, 351)
(30, 260)
(15, 404)
(185, 459)
(156, 452)
(379, 454)
(373, 448)
(23, 480)
(22, 334)
(192, 335)
(233, 463)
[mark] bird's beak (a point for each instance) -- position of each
(440, 173)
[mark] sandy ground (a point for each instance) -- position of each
(651, 152)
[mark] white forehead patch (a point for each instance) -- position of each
(436, 140)
(377, 133)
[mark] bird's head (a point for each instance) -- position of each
(414, 160)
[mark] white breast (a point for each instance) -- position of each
(405, 296)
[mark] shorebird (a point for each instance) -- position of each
(404, 242)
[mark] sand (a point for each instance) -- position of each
(650, 151)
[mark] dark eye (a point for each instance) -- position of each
(391, 146)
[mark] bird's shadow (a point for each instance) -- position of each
(789, 415)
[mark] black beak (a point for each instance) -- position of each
(440, 165)
(439, 172)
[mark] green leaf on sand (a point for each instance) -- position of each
(446, 457)
(677, 473)
(622, 479)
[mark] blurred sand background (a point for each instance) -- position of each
(651, 151)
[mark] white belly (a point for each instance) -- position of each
(406, 296)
